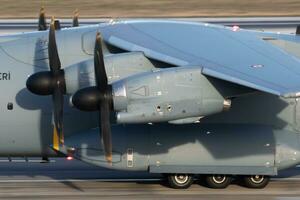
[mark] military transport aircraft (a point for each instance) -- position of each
(178, 98)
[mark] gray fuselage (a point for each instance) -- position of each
(259, 130)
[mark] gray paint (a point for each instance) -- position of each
(165, 95)
(259, 132)
(222, 52)
(200, 169)
(200, 148)
(118, 66)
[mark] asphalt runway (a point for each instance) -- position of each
(62, 179)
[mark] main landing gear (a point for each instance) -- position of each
(180, 181)
(216, 181)
(255, 181)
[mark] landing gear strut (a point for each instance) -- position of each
(45, 159)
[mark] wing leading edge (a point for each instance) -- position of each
(242, 57)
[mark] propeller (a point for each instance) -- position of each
(98, 98)
(75, 18)
(57, 24)
(42, 20)
(105, 98)
(51, 83)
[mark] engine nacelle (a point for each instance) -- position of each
(118, 66)
(166, 95)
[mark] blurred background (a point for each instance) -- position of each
(150, 8)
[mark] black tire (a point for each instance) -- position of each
(180, 181)
(218, 181)
(256, 181)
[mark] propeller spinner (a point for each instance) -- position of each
(51, 83)
(98, 98)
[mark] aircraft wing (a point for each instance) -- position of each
(243, 57)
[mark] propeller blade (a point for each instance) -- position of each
(42, 20)
(59, 87)
(52, 83)
(58, 105)
(99, 66)
(105, 128)
(106, 97)
(99, 98)
(54, 60)
(75, 18)
(57, 24)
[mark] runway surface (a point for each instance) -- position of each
(75, 180)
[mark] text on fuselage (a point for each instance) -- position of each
(4, 76)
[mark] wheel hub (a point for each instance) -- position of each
(219, 179)
(257, 179)
(181, 178)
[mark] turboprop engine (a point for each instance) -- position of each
(167, 95)
(158, 96)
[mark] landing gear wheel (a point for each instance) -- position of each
(218, 181)
(180, 181)
(256, 181)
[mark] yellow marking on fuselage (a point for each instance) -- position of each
(62, 138)
(56, 139)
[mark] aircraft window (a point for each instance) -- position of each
(158, 108)
(10, 106)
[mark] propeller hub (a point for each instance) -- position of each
(41, 83)
(89, 99)
(44, 83)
